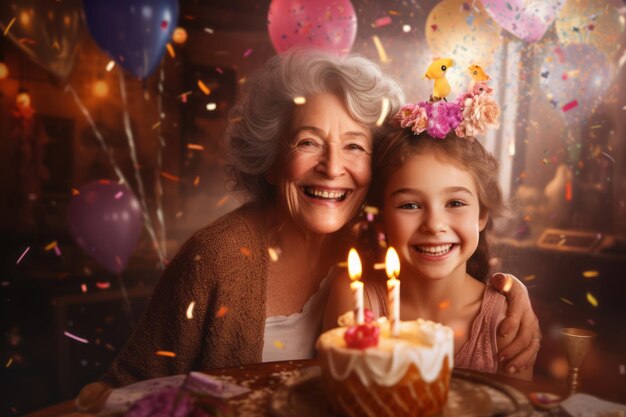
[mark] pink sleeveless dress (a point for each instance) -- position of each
(480, 350)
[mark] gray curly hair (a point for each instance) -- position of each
(259, 121)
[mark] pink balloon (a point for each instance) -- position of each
(329, 25)
(527, 19)
(105, 220)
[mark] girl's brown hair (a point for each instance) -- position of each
(393, 151)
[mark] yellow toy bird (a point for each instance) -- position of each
(477, 73)
(437, 71)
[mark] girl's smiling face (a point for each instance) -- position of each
(432, 215)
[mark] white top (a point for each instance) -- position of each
(293, 337)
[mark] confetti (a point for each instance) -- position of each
(591, 274)
(196, 181)
(222, 201)
(8, 28)
(569, 106)
(165, 353)
(211, 106)
(103, 285)
(206, 90)
(279, 344)
(22, 256)
(9, 362)
(209, 31)
(565, 300)
(170, 50)
(71, 336)
(247, 52)
(83, 287)
(444, 304)
(380, 49)
(223, 310)
(51, 245)
(592, 300)
(379, 266)
(382, 21)
(190, 309)
(156, 125)
(75, 192)
(299, 100)
(273, 253)
(110, 66)
(529, 277)
(622, 369)
(119, 195)
(406, 28)
(384, 110)
(195, 147)
(245, 251)
(169, 176)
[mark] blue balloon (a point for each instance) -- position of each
(133, 32)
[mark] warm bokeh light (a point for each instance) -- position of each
(354, 265)
(179, 36)
(100, 89)
(4, 71)
(22, 100)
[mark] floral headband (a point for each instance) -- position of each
(469, 115)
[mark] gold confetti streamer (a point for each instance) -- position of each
(591, 274)
(190, 309)
(592, 300)
(165, 353)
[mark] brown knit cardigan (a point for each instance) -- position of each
(223, 269)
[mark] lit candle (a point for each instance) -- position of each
(354, 270)
(392, 266)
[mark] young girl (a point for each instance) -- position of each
(438, 198)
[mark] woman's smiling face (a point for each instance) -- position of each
(323, 173)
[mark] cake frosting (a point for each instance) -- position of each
(422, 343)
(406, 375)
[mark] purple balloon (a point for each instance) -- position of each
(105, 220)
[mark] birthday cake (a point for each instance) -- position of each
(369, 373)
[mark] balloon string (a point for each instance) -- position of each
(96, 131)
(127, 308)
(160, 146)
(133, 155)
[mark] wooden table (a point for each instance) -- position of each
(265, 378)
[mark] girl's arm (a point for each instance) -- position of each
(519, 331)
(502, 341)
(340, 300)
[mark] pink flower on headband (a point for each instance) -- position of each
(442, 118)
(413, 116)
(479, 112)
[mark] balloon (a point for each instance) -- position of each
(329, 25)
(105, 220)
(133, 32)
(466, 34)
(595, 22)
(575, 78)
(47, 31)
(527, 19)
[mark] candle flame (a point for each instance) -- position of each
(392, 263)
(354, 265)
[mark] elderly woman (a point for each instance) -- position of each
(300, 146)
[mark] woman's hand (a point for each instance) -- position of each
(520, 320)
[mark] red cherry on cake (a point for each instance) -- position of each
(362, 336)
